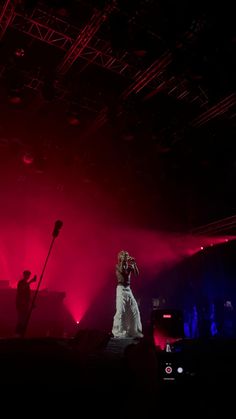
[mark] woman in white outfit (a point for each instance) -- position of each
(127, 322)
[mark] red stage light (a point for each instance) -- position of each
(15, 100)
(19, 52)
(73, 120)
(167, 316)
(27, 158)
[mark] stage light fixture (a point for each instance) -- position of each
(28, 158)
(15, 99)
(19, 52)
(73, 119)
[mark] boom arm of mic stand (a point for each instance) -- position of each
(55, 233)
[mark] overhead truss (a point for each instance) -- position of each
(82, 43)
(222, 226)
(7, 13)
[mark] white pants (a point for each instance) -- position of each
(127, 320)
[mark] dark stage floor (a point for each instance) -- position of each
(119, 377)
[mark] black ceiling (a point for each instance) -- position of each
(159, 94)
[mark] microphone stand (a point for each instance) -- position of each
(58, 225)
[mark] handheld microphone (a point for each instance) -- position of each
(57, 227)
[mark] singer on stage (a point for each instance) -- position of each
(23, 299)
(127, 322)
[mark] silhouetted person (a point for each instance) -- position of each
(23, 299)
(127, 320)
(228, 319)
(219, 316)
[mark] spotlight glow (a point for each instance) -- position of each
(27, 158)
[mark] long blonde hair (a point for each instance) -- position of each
(121, 254)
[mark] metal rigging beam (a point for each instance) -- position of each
(152, 72)
(64, 36)
(214, 111)
(224, 225)
(83, 44)
(6, 16)
(84, 37)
